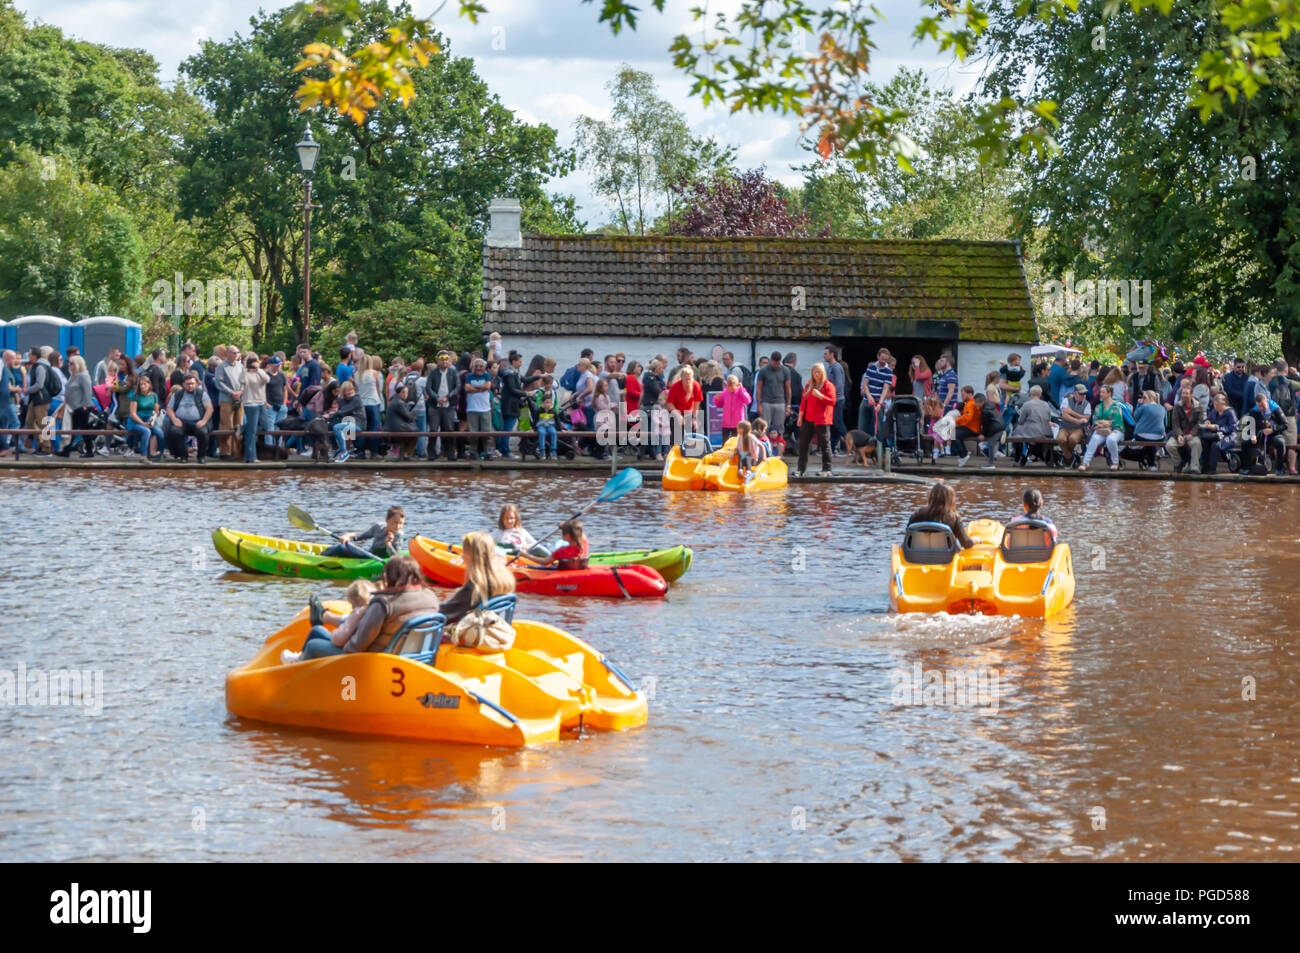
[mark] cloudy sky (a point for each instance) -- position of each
(548, 60)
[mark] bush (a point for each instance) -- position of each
(405, 329)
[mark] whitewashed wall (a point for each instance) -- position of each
(976, 358)
(565, 350)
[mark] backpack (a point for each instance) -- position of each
(1280, 391)
(52, 386)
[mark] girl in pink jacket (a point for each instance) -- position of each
(733, 402)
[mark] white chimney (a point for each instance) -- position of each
(504, 232)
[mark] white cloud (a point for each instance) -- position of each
(548, 60)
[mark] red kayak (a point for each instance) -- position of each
(445, 567)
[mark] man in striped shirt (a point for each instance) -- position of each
(945, 384)
(873, 381)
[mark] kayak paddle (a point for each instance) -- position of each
(622, 483)
(303, 520)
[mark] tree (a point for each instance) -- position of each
(403, 194)
(102, 112)
(736, 204)
(946, 193)
(67, 247)
(643, 150)
(756, 57)
(405, 329)
(1144, 187)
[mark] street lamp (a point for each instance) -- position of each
(308, 149)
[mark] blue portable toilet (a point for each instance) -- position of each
(99, 334)
(40, 330)
(6, 337)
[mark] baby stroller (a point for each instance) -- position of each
(904, 427)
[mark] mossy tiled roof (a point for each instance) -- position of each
(743, 287)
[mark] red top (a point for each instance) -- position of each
(679, 398)
(818, 406)
(571, 557)
(632, 391)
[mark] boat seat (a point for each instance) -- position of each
(930, 544)
(424, 631)
(503, 605)
(1027, 541)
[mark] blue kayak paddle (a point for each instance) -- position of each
(620, 484)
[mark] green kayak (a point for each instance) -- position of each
(287, 557)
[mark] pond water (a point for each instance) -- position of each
(1115, 731)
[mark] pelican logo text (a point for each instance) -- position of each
(430, 700)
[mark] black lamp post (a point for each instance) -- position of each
(308, 149)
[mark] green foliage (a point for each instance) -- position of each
(67, 246)
(405, 329)
(403, 195)
(1143, 187)
(947, 191)
(644, 151)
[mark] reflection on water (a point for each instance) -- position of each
(1155, 719)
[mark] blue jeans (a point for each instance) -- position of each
(867, 418)
(342, 432)
(318, 644)
(252, 423)
(271, 417)
(8, 421)
(422, 423)
(298, 443)
(547, 438)
(374, 414)
(503, 443)
(838, 430)
(144, 432)
(55, 404)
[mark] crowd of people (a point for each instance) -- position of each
(1067, 412)
(1064, 412)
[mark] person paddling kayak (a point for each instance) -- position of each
(510, 532)
(386, 539)
(573, 555)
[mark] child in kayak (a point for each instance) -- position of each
(510, 532)
(573, 555)
(358, 595)
(1033, 505)
(386, 539)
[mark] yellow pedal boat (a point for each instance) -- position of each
(1011, 570)
(717, 471)
(546, 683)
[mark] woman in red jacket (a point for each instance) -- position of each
(816, 411)
(683, 397)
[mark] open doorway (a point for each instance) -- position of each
(858, 352)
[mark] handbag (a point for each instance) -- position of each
(484, 630)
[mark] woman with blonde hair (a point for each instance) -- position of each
(816, 412)
(486, 577)
(370, 389)
(684, 396)
(78, 402)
